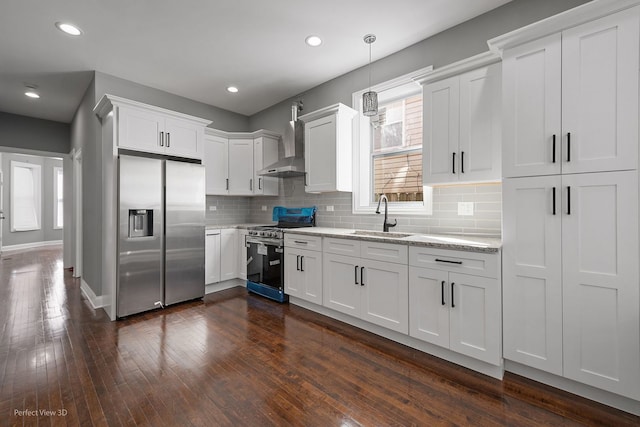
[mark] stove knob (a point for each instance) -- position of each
(272, 234)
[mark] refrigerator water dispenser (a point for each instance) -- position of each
(140, 222)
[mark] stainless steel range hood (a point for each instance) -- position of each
(293, 141)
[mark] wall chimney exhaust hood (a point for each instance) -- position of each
(293, 141)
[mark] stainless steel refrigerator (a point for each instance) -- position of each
(160, 233)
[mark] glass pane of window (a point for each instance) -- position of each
(58, 207)
(396, 158)
(24, 214)
(399, 176)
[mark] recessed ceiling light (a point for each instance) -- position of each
(70, 29)
(31, 92)
(313, 41)
(232, 89)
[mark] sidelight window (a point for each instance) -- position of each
(25, 196)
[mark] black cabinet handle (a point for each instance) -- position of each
(462, 162)
(356, 275)
(568, 146)
(554, 200)
(168, 139)
(361, 276)
(453, 303)
(251, 184)
(448, 262)
(161, 139)
(297, 262)
(569, 200)
(453, 163)
(259, 183)
(227, 183)
(442, 292)
(553, 148)
(301, 262)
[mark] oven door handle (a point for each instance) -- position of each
(265, 243)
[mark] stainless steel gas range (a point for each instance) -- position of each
(265, 251)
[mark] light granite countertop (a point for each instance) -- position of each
(460, 242)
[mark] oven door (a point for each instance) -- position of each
(265, 262)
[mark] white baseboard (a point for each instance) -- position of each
(33, 245)
(434, 350)
(592, 393)
(221, 286)
(95, 301)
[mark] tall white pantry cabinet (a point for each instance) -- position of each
(570, 203)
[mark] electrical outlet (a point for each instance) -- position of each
(465, 208)
(330, 208)
(213, 208)
(264, 208)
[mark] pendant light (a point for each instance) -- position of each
(370, 98)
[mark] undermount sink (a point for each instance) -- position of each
(381, 234)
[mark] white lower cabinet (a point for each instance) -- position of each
(571, 277)
(457, 311)
(212, 257)
(228, 254)
(225, 255)
(303, 274)
(366, 288)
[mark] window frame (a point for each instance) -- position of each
(56, 191)
(36, 171)
(362, 156)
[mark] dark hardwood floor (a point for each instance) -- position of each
(238, 360)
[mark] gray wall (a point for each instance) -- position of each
(46, 232)
(34, 134)
(229, 210)
(221, 119)
(86, 135)
(462, 41)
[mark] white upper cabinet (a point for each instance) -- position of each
(265, 153)
(328, 149)
(462, 128)
(241, 166)
(571, 100)
(531, 108)
(233, 160)
(155, 130)
(216, 162)
(600, 94)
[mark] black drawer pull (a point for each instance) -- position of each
(462, 162)
(448, 262)
(569, 200)
(442, 292)
(356, 275)
(301, 262)
(568, 146)
(553, 155)
(300, 242)
(298, 262)
(453, 163)
(554, 200)
(361, 276)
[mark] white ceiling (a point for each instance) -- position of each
(196, 48)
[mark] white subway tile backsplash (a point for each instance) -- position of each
(445, 219)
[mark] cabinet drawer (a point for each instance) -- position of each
(313, 243)
(475, 263)
(341, 246)
(387, 252)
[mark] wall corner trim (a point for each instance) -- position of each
(95, 301)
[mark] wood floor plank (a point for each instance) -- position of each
(236, 359)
